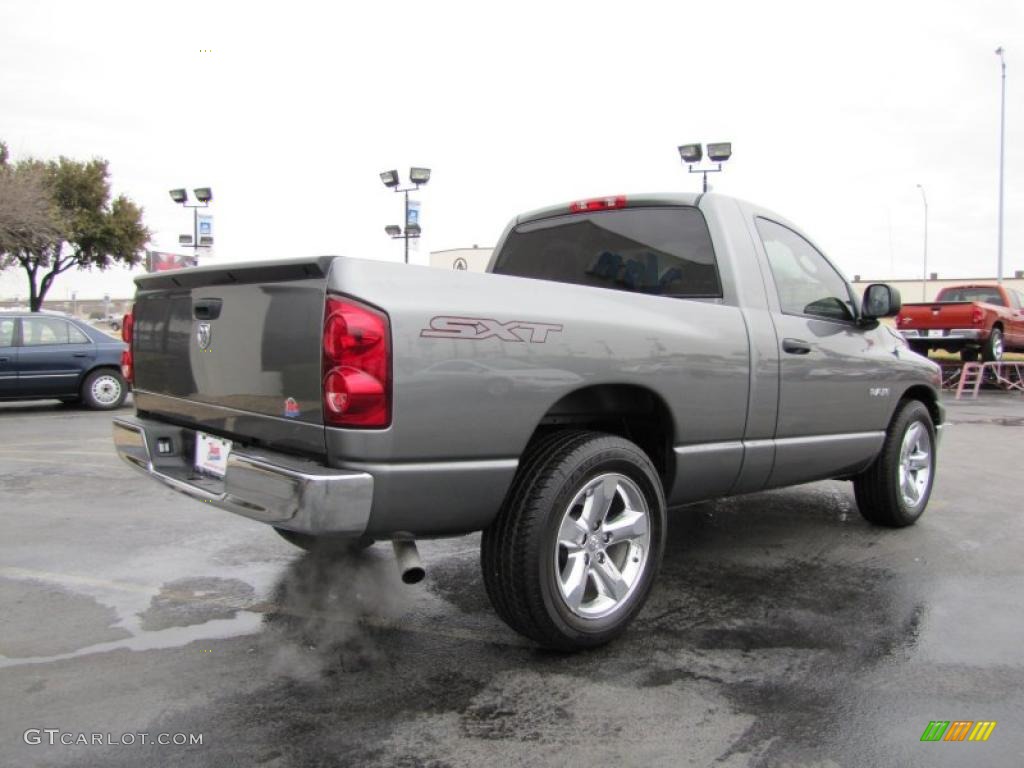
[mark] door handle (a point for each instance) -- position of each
(795, 346)
(80, 354)
(206, 309)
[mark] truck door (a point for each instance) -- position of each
(1015, 331)
(832, 388)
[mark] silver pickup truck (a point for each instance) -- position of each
(623, 355)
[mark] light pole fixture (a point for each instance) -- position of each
(417, 177)
(924, 276)
(204, 195)
(718, 153)
(1002, 159)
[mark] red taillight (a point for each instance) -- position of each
(127, 360)
(977, 315)
(598, 204)
(356, 365)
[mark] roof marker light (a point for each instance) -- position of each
(598, 204)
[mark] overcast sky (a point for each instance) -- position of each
(290, 110)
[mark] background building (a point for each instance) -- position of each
(911, 290)
(471, 259)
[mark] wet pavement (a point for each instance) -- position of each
(783, 629)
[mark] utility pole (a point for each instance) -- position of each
(1002, 159)
(924, 277)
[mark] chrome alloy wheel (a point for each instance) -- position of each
(997, 348)
(106, 389)
(915, 463)
(603, 544)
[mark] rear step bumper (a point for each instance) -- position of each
(270, 487)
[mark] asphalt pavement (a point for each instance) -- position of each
(783, 630)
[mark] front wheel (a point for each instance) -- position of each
(104, 389)
(895, 489)
(572, 555)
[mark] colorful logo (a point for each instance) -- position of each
(213, 452)
(291, 408)
(958, 730)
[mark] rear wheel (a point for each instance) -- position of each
(572, 555)
(992, 349)
(328, 545)
(895, 489)
(104, 389)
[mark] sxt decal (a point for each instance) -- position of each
(480, 328)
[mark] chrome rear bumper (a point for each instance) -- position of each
(952, 334)
(270, 487)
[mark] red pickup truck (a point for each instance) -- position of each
(966, 318)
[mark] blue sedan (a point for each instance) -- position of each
(44, 356)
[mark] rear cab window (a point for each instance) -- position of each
(980, 294)
(659, 251)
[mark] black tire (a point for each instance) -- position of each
(878, 491)
(921, 349)
(104, 389)
(968, 355)
(521, 551)
(326, 545)
(992, 349)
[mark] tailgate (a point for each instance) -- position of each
(235, 350)
(943, 314)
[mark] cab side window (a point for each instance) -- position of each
(807, 284)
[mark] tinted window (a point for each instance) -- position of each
(40, 331)
(986, 295)
(660, 251)
(806, 282)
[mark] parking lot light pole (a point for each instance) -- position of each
(924, 276)
(204, 195)
(417, 177)
(1002, 159)
(694, 153)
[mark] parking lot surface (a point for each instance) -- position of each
(783, 630)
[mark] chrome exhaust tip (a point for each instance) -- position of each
(408, 558)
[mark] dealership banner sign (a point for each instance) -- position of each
(157, 261)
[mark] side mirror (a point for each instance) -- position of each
(880, 300)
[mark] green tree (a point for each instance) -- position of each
(57, 215)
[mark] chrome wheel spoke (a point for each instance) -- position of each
(918, 460)
(627, 526)
(600, 496)
(572, 534)
(909, 488)
(574, 585)
(609, 579)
